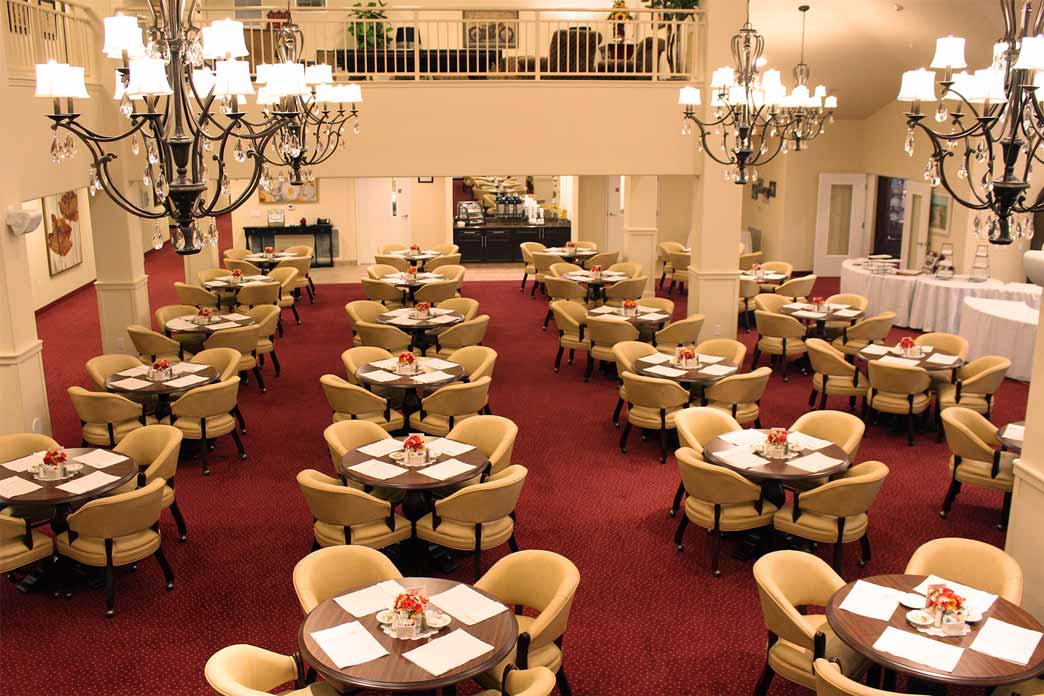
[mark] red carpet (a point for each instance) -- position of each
(647, 620)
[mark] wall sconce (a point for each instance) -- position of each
(759, 187)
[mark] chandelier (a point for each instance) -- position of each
(184, 94)
(313, 135)
(990, 124)
(754, 118)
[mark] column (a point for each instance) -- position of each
(1027, 506)
(641, 199)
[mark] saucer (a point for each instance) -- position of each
(919, 618)
(912, 600)
(386, 616)
(398, 455)
(434, 621)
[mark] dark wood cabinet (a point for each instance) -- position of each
(497, 241)
(257, 238)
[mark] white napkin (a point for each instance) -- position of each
(655, 359)
(179, 324)
(349, 644)
(717, 370)
(605, 309)
(656, 316)
(977, 599)
(429, 377)
(838, 307)
(223, 325)
(14, 486)
(873, 601)
(259, 278)
(438, 363)
(438, 311)
(216, 284)
(377, 469)
(187, 368)
(448, 652)
(134, 371)
(404, 321)
(132, 383)
(25, 463)
(100, 459)
(892, 360)
(370, 599)
(381, 448)
(814, 463)
(386, 364)
(381, 376)
(446, 469)
(235, 316)
(405, 311)
(744, 437)
(444, 445)
(925, 651)
(942, 359)
(874, 349)
(806, 441)
(88, 482)
(466, 605)
(709, 359)
(1006, 641)
(741, 458)
(847, 313)
(252, 284)
(798, 305)
(186, 381)
(642, 309)
(442, 319)
(1015, 432)
(666, 371)
(805, 314)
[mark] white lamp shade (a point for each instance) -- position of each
(203, 81)
(998, 50)
(830, 103)
(800, 94)
(949, 53)
(820, 91)
(723, 78)
(55, 79)
(265, 97)
(320, 74)
(224, 39)
(346, 94)
(286, 80)
(233, 78)
(689, 96)
(965, 85)
(990, 83)
(1031, 54)
(122, 33)
(775, 95)
(770, 80)
(120, 88)
(262, 71)
(148, 78)
(1038, 82)
(737, 94)
(918, 85)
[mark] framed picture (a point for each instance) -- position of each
(61, 215)
(490, 28)
(285, 192)
(276, 217)
(939, 214)
(425, 180)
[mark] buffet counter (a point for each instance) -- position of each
(497, 240)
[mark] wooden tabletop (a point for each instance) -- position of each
(973, 669)
(570, 253)
(407, 382)
(1006, 440)
(231, 284)
(275, 257)
(584, 279)
(693, 375)
(393, 672)
(411, 480)
(922, 361)
(766, 279)
(399, 281)
(778, 469)
(159, 388)
(829, 312)
(639, 319)
(416, 256)
(206, 328)
(50, 495)
(425, 324)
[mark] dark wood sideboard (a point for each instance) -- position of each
(257, 238)
(496, 241)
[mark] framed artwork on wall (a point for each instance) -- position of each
(490, 28)
(282, 191)
(939, 215)
(61, 216)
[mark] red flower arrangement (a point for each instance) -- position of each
(422, 306)
(55, 458)
(944, 599)
(906, 343)
(204, 312)
(630, 304)
(687, 354)
(406, 358)
(161, 365)
(237, 273)
(411, 603)
(570, 245)
(777, 436)
(414, 443)
(415, 248)
(269, 250)
(756, 267)
(413, 270)
(818, 301)
(596, 268)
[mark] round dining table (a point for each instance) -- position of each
(267, 262)
(696, 379)
(393, 672)
(409, 386)
(175, 327)
(809, 313)
(923, 360)
(417, 258)
(766, 278)
(974, 668)
(160, 388)
(418, 328)
(639, 320)
(576, 255)
(231, 285)
(596, 285)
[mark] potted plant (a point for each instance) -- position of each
(620, 16)
(367, 32)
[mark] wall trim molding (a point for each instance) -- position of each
(23, 356)
(713, 275)
(1030, 474)
(116, 285)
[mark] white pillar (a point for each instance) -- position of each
(641, 199)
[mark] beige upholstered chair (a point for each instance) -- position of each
(287, 278)
(244, 339)
(684, 332)
(351, 402)
(570, 318)
(477, 361)
(345, 436)
(442, 410)
(335, 570)
(105, 418)
(386, 336)
(385, 293)
(629, 289)
(544, 582)
(302, 264)
(748, 290)
(494, 436)
(900, 390)
(969, 562)
(205, 413)
(536, 681)
(652, 404)
(604, 259)
(236, 254)
(436, 291)
(629, 268)
(117, 530)
(625, 353)
(354, 358)
(454, 273)
(304, 250)
(440, 261)
(560, 269)
(604, 334)
(679, 261)
(739, 395)
(527, 260)
(562, 289)
(379, 270)
(976, 458)
(948, 343)
(101, 367)
(397, 262)
(776, 267)
(344, 515)
(1030, 687)
(719, 500)
(833, 375)
(831, 681)
(583, 244)
(466, 333)
(267, 318)
(155, 448)
(873, 329)
(462, 305)
(854, 301)
(363, 310)
(778, 335)
(20, 544)
(164, 314)
(977, 382)
(663, 259)
(835, 512)
(391, 247)
(728, 348)
(660, 304)
(446, 249)
(152, 346)
(696, 426)
(747, 261)
(843, 429)
(245, 670)
(768, 302)
(797, 289)
(788, 581)
(244, 267)
(18, 445)
(260, 295)
(224, 360)
(542, 262)
(195, 295)
(477, 517)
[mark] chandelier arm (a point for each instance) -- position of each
(939, 155)
(219, 157)
(758, 158)
(85, 133)
(968, 168)
(105, 178)
(247, 192)
(709, 151)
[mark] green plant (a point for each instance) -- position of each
(370, 33)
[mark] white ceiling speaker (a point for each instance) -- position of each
(21, 221)
(1033, 266)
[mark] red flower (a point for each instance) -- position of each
(777, 436)
(237, 273)
(942, 597)
(406, 358)
(412, 602)
(55, 457)
(906, 342)
(686, 354)
(755, 267)
(269, 250)
(630, 304)
(161, 365)
(204, 312)
(570, 245)
(818, 300)
(596, 268)
(422, 306)
(413, 269)
(414, 443)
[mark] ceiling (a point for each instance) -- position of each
(859, 48)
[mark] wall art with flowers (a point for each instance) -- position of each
(62, 214)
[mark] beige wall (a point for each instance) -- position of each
(675, 209)
(593, 198)
(46, 288)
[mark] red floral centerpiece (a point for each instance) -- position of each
(776, 442)
(53, 466)
(596, 271)
(414, 450)
(818, 301)
(411, 272)
(570, 245)
(237, 274)
(406, 364)
(269, 251)
(409, 614)
(421, 309)
(160, 370)
(908, 347)
(415, 248)
(757, 269)
(203, 315)
(684, 357)
(630, 308)
(947, 608)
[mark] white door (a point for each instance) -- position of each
(917, 197)
(382, 215)
(614, 220)
(840, 221)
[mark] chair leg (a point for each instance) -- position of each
(110, 582)
(513, 544)
(311, 295)
(532, 292)
(168, 574)
(838, 549)
(663, 445)
(206, 452)
(783, 359)
(547, 319)
(623, 437)
(239, 444)
(678, 495)
(478, 565)
(851, 404)
(590, 367)
(297, 317)
(822, 400)
(179, 520)
(616, 412)
(765, 680)
(716, 554)
(239, 417)
(909, 429)
(754, 360)
(864, 544)
(572, 355)
(812, 398)
(524, 276)
(663, 277)
(563, 683)
(951, 495)
(558, 358)
(275, 362)
(260, 379)
(1005, 512)
(279, 325)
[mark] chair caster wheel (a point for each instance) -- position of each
(716, 573)
(556, 370)
(943, 514)
(183, 538)
(242, 456)
(672, 513)
(109, 613)
(862, 564)
(679, 548)
(1002, 527)
(206, 472)
(170, 586)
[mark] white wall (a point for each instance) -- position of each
(46, 288)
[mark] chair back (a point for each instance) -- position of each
(797, 287)
(241, 338)
(285, 276)
(18, 445)
(300, 250)
(743, 388)
(195, 295)
(364, 310)
(827, 360)
(779, 267)
(494, 436)
(356, 357)
(452, 271)
(790, 579)
(851, 299)
(477, 361)
(149, 343)
(535, 681)
(542, 261)
(333, 571)
(629, 268)
(236, 254)
(560, 269)
(383, 336)
(969, 562)
(682, 332)
(458, 399)
(332, 502)
(379, 291)
(747, 261)
(444, 260)
(873, 329)
(302, 264)
(660, 304)
(436, 291)
(397, 262)
(224, 360)
(208, 401)
(680, 261)
(627, 352)
(121, 514)
(573, 50)
(569, 315)
(728, 348)
(943, 342)
(712, 483)
(379, 270)
(462, 305)
(349, 399)
(768, 302)
(245, 267)
(843, 429)
(898, 379)
(345, 436)
(563, 289)
(831, 681)
(393, 246)
(467, 333)
(698, 425)
(850, 494)
(749, 289)
(258, 295)
(606, 333)
(168, 312)
(653, 392)
(102, 407)
(267, 318)
(101, 367)
(778, 325)
(211, 274)
(604, 259)
(985, 375)
(446, 249)
(155, 448)
(489, 501)
(665, 249)
(969, 434)
(629, 289)
(583, 244)
(527, 251)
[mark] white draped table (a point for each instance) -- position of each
(886, 292)
(1001, 327)
(937, 303)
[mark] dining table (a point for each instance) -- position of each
(419, 327)
(696, 377)
(410, 284)
(417, 258)
(381, 375)
(145, 382)
(267, 262)
(230, 285)
(216, 322)
(766, 278)
(926, 358)
(1012, 434)
(596, 283)
(642, 318)
(576, 255)
(987, 656)
(819, 315)
(348, 626)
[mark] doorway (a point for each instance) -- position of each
(901, 220)
(382, 214)
(840, 220)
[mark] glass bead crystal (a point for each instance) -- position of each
(56, 151)
(126, 108)
(357, 127)
(908, 146)
(146, 179)
(151, 154)
(238, 153)
(157, 238)
(135, 145)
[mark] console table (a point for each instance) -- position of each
(257, 238)
(497, 241)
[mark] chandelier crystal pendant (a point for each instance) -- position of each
(988, 125)
(322, 111)
(184, 93)
(754, 119)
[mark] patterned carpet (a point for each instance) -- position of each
(647, 620)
